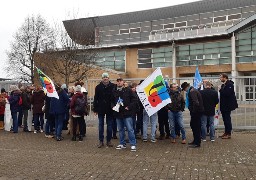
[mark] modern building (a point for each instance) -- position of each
(215, 35)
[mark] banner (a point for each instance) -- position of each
(7, 117)
(153, 93)
(198, 79)
(47, 84)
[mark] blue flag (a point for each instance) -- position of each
(198, 79)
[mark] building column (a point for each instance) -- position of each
(174, 62)
(233, 60)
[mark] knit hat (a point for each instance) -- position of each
(105, 75)
(78, 88)
(14, 88)
(63, 86)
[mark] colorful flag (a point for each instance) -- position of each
(153, 93)
(47, 84)
(198, 79)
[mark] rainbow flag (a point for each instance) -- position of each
(47, 84)
(153, 93)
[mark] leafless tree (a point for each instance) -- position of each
(33, 36)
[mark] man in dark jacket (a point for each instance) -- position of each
(210, 100)
(102, 108)
(26, 105)
(175, 109)
(124, 105)
(228, 103)
(194, 102)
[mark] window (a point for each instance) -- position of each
(234, 16)
(124, 31)
(220, 18)
(134, 30)
(144, 58)
(167, 26)
(181, 24)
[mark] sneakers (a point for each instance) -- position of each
(133, 148)
(212, 140)
(35, 131)
(121, 146)
(145, 140)
(183, 141)
(41, 131)
(153, 140)
(173, 140)
(204, 140)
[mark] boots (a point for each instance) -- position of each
(1, 125)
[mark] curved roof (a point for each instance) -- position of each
(82, 30)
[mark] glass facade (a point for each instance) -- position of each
(246, 45)
(155, 57)
(114, 59)
(213, 53)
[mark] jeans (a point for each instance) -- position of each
(204, 121)
(114, 127)
(38, 121)
(109, 121)
(128, 123)
(49, 124)
(134, 124)
(25, 119)
(163, 122)
(59, 119)
(227, 121)
(195, 125)
(176, 118)
(79, 121)
(153, 121)
(20, 118)
(15, 117)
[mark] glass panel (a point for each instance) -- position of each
(244, 48)
(211, 45)
(225, 54)
(110, 53)
(221, 18)
(225, 61)
(182, 63)
(225, 49)
(211, 62)
(166, 26)
(159, 64)
(234, 16)
(156, 50)
(244, 53)
(109, 58)
(134, 30)
(209, 51)
(182, 53)
(243, 42)
(183, 58)
(168, 55)
(195, 52)
(156, 60)
(182, 48)
(144, 51)
(120, 53)
(144, 60)
(149, 65)
(196, 46)
(244, 35)
(158, 55)
(244, 59)
(181, 24)
(124, 31)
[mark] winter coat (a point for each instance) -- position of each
(228, 100)
(2, 103)
(26, 104)
(47, 107)
(129, 100)
(59, 106)
(178, 102)
(102, 98)
(73, 103)
(37, 100)
(210, 100)
(14, 99)
(195, 101)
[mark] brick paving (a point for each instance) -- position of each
(32, 156)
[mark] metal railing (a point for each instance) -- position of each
(242, 118)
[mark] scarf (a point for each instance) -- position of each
(187, 98)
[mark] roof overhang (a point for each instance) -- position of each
(242, 24)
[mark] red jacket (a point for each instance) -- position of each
(2, 103)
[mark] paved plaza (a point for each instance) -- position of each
(32, 156)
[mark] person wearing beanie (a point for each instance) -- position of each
(102, 108)
(15, 101)
(78, 111)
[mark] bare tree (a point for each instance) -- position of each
(71, 61)
(33, 36)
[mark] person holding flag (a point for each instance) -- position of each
(197, 80)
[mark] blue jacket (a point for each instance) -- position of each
(59, 106)
(14, 101)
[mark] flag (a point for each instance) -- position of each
(198, 79)
(153, 93)
(47, 84)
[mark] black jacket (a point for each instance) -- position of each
(129, 100)
(178, 102)
(102, 98)
(228, 100)
(210, 100)
(195, 101)
(26, 105)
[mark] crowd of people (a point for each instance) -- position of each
(119, 104)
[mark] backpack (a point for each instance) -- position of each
(81, 106)
(20, 101)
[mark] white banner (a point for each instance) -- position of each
(7, 117)
(153, 93)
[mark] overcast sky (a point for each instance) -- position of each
(14, 12)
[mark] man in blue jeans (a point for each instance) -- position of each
(175, 116)
(124, 102)
(102, 108)
(210, 100)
